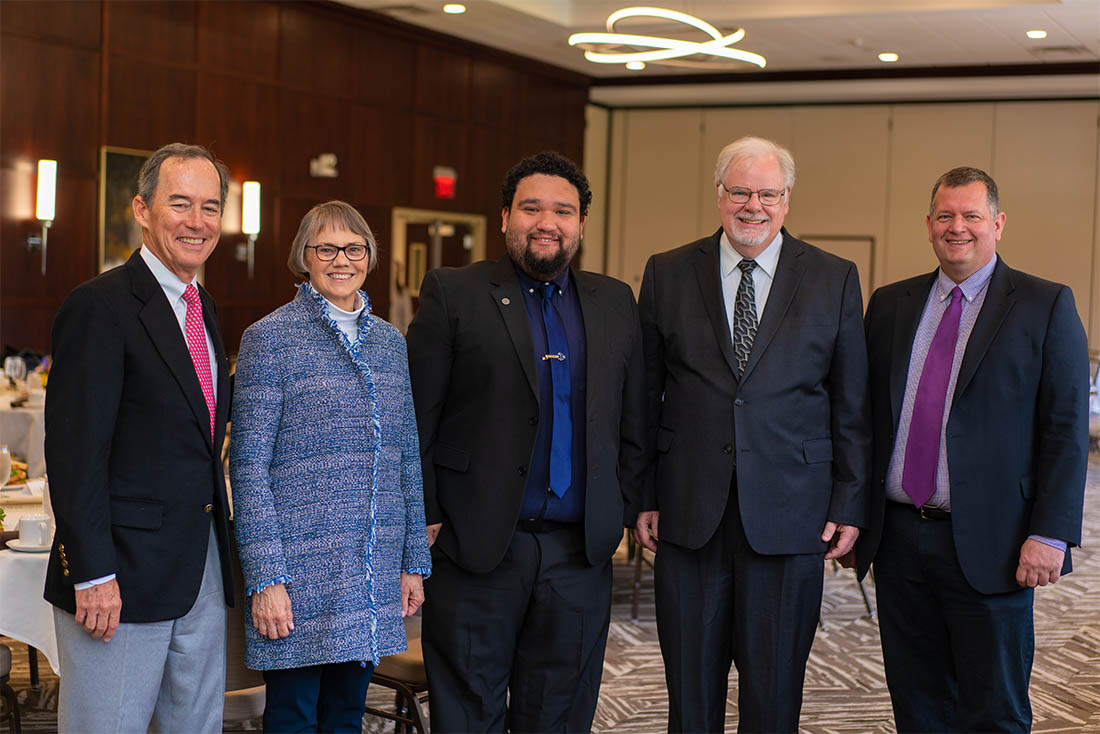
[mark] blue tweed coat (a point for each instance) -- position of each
(327, 492)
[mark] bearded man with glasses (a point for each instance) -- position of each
(756, 383)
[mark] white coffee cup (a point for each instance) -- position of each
(34, 529)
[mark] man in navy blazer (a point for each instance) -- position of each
(756, 378)
(139, 571)
(978, 487)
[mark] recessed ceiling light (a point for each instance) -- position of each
(454, 8)
(635, 65)
(1036, 34)
(888, 57)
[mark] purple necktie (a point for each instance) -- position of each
(922, 451)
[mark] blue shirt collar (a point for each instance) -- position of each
(970, 287)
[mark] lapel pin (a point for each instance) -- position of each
(506, 300)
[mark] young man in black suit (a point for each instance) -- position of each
(527, 379)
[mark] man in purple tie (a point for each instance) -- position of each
(979, 401)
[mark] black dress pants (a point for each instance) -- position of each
(956, 659)
(724, 603)
(519, 648)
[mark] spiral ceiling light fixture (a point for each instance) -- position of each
(608, 48)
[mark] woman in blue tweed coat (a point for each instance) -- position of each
(325, 467)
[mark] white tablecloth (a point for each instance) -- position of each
(24, 614)
(23, 431)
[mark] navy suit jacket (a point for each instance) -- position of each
(134, 475)
(474, 385)
(1017, 434)
(796, 425)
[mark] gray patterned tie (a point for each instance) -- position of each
(744, 316)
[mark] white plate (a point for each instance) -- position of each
(14, 487)
(17, 545)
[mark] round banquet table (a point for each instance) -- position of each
(24, 614)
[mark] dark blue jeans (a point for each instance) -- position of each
(318, 698)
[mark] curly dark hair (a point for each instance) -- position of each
(551, 164)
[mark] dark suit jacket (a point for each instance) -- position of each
(796, 425)
(472, 365)
(1017, 434)
(133, 474)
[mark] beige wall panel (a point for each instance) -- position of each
(927, 141)
(653, 170)
(1044, 161)
(594, 251)
(723, 126)
(840, 154)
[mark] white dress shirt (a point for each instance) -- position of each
(762, 275)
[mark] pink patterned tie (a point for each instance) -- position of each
(196, 344)
(922, 451)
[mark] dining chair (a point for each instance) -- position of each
(6, 691)
(636, 554)
(404, 673)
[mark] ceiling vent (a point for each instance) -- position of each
(401, 10)
(1057, 53)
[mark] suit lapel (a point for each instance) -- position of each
(595, 335)
(998, 302)
(788, 274)
(163, 330)
(710, 286)
(508, 296)
(908, 310)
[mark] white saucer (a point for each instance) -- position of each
(17, 545)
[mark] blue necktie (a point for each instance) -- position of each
(561, 437)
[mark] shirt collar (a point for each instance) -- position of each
(970, 287)
(171, 284)
(766, 260)
(529, 283)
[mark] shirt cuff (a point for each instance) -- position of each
(82, 585)
(1052, 542)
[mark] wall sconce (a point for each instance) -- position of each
(250, 222)
(45, 205)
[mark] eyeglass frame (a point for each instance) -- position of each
(729, 195)
(339, 249)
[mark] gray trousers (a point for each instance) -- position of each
(158, 676)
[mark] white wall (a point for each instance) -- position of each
(865, 173)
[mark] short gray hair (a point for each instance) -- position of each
(149, 175)
(750, 147)
(963, 176)
(330, 215)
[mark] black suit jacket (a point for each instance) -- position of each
(472, 365)
(796, 425)
(134, 476)
(1017, 434)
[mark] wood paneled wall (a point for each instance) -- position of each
(267, 86)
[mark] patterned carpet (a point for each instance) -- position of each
(845, 686)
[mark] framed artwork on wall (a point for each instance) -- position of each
(119, 234)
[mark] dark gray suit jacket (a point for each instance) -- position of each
(1017, 434)
(134, 476)
(796, 425)
(472, 365)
